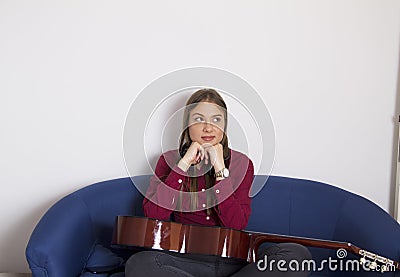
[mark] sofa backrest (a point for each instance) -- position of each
(296, 207)
(284, 205)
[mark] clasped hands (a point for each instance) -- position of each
(209, 153)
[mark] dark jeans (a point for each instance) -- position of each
(155, 263)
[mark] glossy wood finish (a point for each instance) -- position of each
(133, 231)
(180, 238)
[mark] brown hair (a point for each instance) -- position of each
(211, 96)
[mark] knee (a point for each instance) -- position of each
(288, 251)
(141, 260)
(299, 251)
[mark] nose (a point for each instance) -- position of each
(207, 127)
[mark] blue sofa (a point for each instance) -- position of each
(73, 237)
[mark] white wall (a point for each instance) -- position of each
(69, 70)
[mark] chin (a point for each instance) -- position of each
(213, 143)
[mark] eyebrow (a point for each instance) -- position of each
(203, 115)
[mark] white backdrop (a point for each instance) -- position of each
(69, 70)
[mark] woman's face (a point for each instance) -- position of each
(206, 123)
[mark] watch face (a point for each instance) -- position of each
(226, 173)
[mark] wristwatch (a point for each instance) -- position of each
(224, 173)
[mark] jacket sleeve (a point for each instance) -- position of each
(232, 195)
(163, 192)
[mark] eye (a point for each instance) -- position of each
(198, 119)
(217, 119)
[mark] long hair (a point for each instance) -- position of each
(210, 96)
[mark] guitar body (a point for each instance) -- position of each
(181, 238)
(134, 231)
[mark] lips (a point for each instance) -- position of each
(208, 138)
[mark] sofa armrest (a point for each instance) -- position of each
(62, 241)
(366, 225)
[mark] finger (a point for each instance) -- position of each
(198, 154)
(213, 155)
(202, 152)
(198, 157)
(191, 153)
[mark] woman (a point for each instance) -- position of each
(206, 183)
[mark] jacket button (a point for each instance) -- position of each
(180, 181)
(207, 217)
(217, 191)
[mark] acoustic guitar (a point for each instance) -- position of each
(135, 231)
